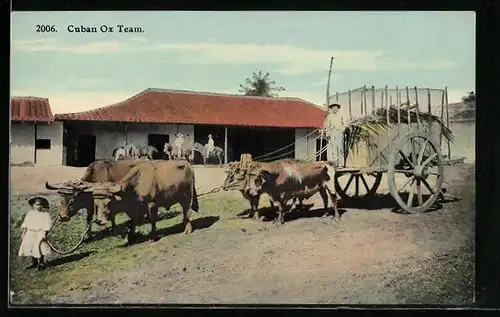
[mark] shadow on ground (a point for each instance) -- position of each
(122, 228)
(68, 259)
(375, 202)
(197, 224)
(300, 212)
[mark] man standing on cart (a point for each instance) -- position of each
(333, 129)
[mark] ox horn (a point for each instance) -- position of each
(52, 187)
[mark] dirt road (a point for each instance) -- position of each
(373, 256)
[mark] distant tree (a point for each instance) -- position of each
(260, 85)
(471, 97)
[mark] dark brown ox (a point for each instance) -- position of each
(145, 188)
(294, 181)
(98, 171)
(237, 179)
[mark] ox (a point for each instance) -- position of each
(145, 188)
(98, 171)
(291, 181)
(237, 179)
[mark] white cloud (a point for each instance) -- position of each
(88, 48)
(288, 60)
(63, 102)
(455, 95)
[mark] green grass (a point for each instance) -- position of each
(105, 255)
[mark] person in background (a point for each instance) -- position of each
(333, 129)
(210, 145)
(179, 141)
(36, 225)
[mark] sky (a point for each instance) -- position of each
(216, 51)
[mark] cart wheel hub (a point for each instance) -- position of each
(421, 171)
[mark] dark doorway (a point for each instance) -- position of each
(85, 150)
(262, 141)
(320, 144)
(158, 141)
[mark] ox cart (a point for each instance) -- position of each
(404, 143)
(391, 132)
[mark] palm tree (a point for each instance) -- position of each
(260, 85)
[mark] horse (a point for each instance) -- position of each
(119, 153)
(148, 151)
(216, 152)
(168, 149)
(128, 151)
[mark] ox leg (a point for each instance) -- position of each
(254, 207)
(131, 236)
(113, 225)
(186, 212)
(324, 196)
(281, 213)
(333, 197)
(153, 218)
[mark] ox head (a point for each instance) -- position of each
(257, 179)
(82, 195)
(236, 177)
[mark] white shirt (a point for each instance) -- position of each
(333, 123)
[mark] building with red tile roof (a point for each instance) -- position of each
(30, 109)
(239, 124)
(34, 136)
(188, 107)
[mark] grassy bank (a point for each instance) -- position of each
(105, 254)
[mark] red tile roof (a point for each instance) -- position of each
(30, 109)
(174, 106)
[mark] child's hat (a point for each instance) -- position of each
(43, 200)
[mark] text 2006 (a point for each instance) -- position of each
(46, 28)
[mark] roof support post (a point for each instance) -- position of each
(225, 145)
(36, 136)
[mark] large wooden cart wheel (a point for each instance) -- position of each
(415, 172)
(352, 186)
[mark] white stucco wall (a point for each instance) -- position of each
(22, 148)
(305, 144)
(23, 143)
(54, 132)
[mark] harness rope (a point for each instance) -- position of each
(45, 239)
(285, 147)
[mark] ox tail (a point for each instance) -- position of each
(194, 199)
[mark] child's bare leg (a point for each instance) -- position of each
(41, 264)
(33, 264)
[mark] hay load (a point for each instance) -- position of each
(381, 120)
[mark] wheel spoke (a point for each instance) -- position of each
(419, 194)
(429, 159)
(410, 196)
(357, 185)
(428, 186)
(348, 183)
(406, 159)
(364, 183)
(422, 151)
(410, 179)
(403, 171)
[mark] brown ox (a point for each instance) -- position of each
(294, 181)
(145, 188)
(98, 171)
(237, 179)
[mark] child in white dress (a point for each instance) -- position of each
(36, 225)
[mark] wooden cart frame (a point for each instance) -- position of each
(409, 153)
